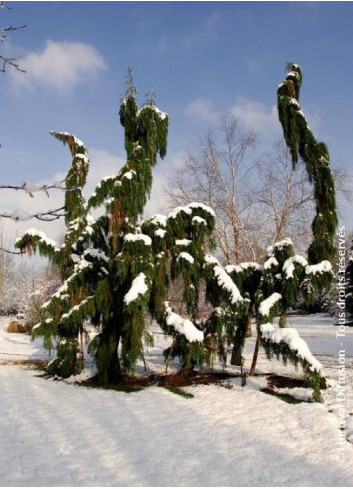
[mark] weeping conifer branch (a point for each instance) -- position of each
(67, 301)
(302, 143)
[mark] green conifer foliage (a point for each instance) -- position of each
(271, 288)
(290, 277)
(69, 355)
(119, 267)
(302, 143)
(117, 264)
(180, 242)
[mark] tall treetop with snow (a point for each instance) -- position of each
(112, 262)
(302, 143)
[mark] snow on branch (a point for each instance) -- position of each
(279, 245)
(31, 188)
(138, 289)
(267, 305)
(289, 264)
(206, 208)
(38, 235)
(186, 257)
(223, 280)
(138, 237)
(211, 260)
(242, 266)
(63, 292)
(271, 262)
(291, 338)
(183, 242)
(78, 309)
(183, 326)
(322, 267)
(187, 209)
(151, 106)
(159, 220)
(20, 215)
(226, 283)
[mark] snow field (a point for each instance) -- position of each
(58, 434)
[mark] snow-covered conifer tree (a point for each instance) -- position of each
(117, 267)
(110, 265)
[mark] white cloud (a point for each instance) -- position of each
(256, 115)
(158, 203)
(60, 65)
(208, 31)
(202, 109)
(252, 114)
(102, 164)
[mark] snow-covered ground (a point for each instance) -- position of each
(15, 347)
(59, 434)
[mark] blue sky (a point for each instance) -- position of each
(202, 58)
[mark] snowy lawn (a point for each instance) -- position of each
(58, 434)
(14, 346)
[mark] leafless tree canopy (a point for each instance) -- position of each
(219, 173)
(258, 200)
(4, 31)
(285, 199)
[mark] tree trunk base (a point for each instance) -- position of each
(256, 353)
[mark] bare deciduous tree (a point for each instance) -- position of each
(258, 201)
(219, 174)
(284, 198)
(287, 197)
(4, 31)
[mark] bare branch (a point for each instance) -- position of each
(13, 62)
(30, 189)
(10, 252)
(4, 5)
(17, 215)
(11, 28)
(7, 61)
